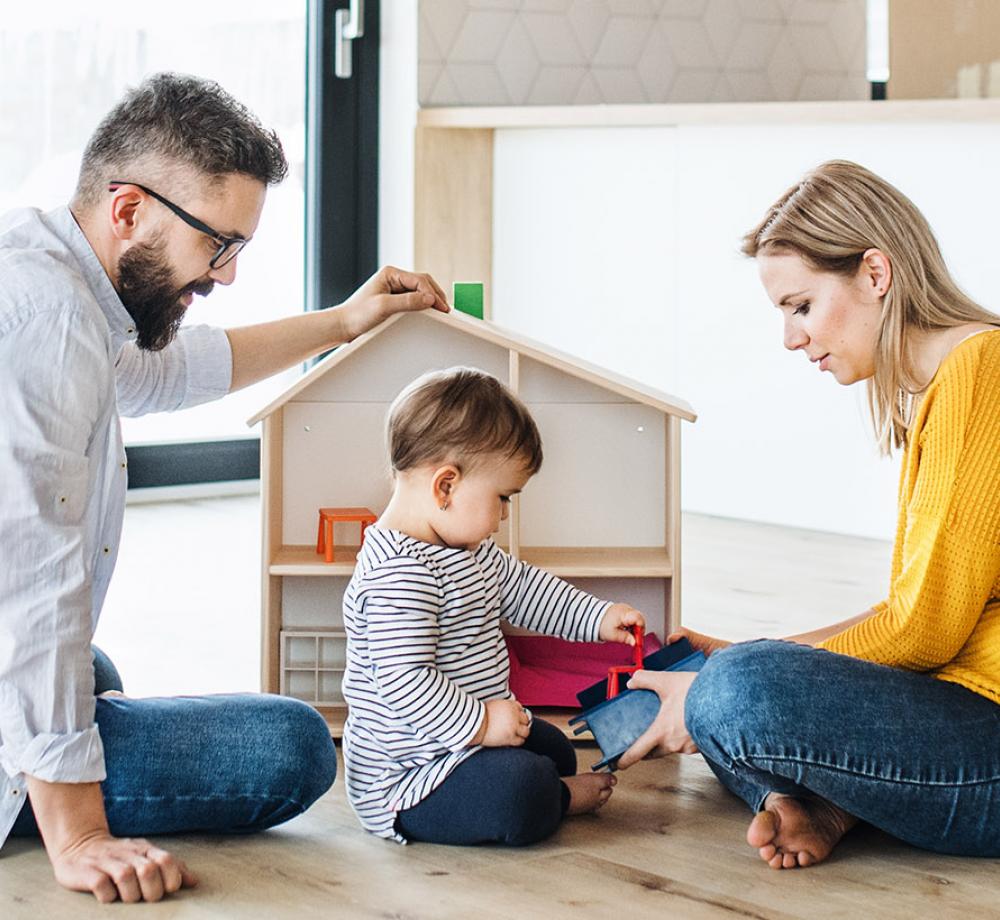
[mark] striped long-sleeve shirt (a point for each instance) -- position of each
(425, 653)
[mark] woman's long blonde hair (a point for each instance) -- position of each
(831, 218)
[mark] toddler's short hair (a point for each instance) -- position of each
(460, 415)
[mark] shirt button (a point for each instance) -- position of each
(130, 330)
(106, 549)
(15, 791)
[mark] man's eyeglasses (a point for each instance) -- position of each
(229, 246)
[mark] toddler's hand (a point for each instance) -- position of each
(616, 626)
(507, 724)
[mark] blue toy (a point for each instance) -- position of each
(617, 723)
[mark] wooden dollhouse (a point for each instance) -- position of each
(603, 512)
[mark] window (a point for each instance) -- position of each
(63, 64)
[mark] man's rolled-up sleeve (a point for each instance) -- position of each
(195, 368)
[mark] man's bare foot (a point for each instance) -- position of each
(588, 791)
(792, 832)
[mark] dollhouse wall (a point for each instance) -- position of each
(313, 603)
(602, 482)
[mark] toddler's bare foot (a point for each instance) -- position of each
(588, 791)
(793, 832)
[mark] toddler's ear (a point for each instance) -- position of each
(443, 483)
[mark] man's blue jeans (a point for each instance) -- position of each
(915, 756)
(223, 764)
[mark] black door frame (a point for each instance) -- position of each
(341, 233)
(341, 158)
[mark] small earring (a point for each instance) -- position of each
(444, 506)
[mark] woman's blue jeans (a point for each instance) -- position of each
(915, 756)
(222, 764)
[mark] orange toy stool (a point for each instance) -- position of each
(330, 516)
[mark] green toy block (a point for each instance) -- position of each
(468, 297)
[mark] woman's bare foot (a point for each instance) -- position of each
(588, 791)
(792, 832)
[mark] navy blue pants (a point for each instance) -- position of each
(511, 795)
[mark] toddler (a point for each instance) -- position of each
(436, 747)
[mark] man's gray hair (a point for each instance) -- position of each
(176, 120)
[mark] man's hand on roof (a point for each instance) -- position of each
(389, 291)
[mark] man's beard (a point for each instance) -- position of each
(147, 289)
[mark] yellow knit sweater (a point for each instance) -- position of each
(943, 611)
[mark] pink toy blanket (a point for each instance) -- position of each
(545, 671)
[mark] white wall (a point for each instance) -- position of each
(621, 245)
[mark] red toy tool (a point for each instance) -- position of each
(330, 516)
(638, 634)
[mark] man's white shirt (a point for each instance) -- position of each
(69, 366)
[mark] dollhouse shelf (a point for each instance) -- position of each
(304, 560)
(566, 562)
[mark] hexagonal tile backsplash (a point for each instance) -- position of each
(565, 52)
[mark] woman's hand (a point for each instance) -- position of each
(700, 642)
(668, 733)
(617, 623)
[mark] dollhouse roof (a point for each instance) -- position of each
(504, 338)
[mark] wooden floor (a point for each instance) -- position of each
(669, 844)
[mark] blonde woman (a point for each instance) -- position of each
(891, 717)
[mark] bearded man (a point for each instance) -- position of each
(92, 296)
